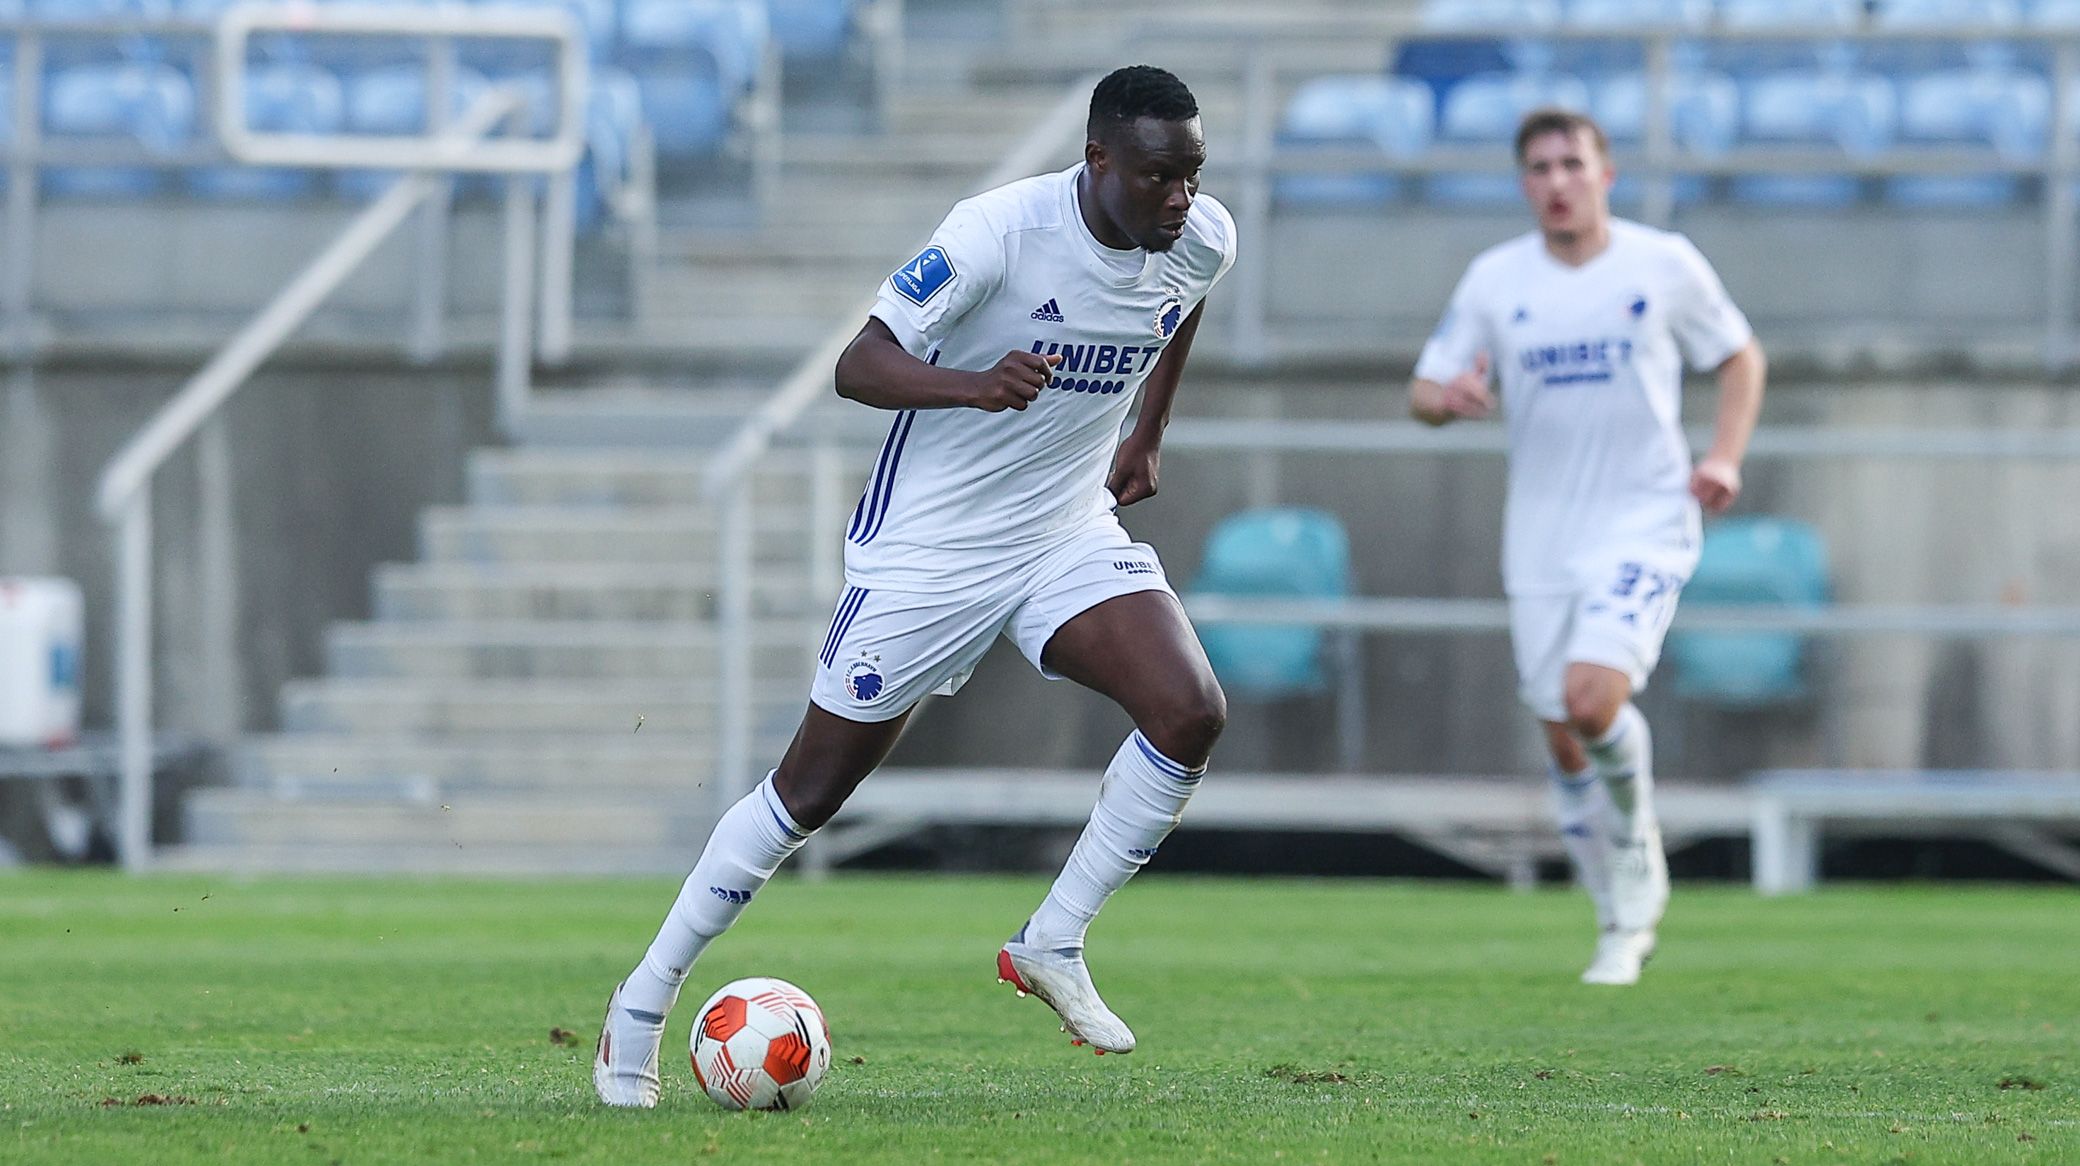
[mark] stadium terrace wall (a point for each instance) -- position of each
(325, 473)
(1838, 285)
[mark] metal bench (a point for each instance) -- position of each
(94, 759)
(1790, 806)
(1498, 825)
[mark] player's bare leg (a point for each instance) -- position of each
(1617, 744)
(1139, 650)
(825, 762)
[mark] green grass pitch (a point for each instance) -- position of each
(340, 1020)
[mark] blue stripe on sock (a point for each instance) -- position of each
(778, 809)
(1164, 764)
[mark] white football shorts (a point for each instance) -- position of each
(1618, 620)
(887, 650)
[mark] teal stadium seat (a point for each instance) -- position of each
(1290, 553)
(1751, 560)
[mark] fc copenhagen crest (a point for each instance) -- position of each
(864, 681)
(1169, 315)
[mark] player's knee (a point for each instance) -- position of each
(1188, 726)
(809, 802)
(1590, 711)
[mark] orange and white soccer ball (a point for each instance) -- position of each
(761, 1043)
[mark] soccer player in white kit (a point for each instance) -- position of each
(1010, 350)
(1585, 323)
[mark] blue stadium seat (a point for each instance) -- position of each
(596, 17)
(280, 98)
(1630, 15)
(1290, 552)
(612, 121)
(1486, 110)
(6, 104)
(1939, 14)
(1517, 16)
(693, 60)
(810, 30)
(143, 102)
(392, 100)
(1443, 63)
(1801, 14)
(1392, 114)
(1704, 120)
(1831, 111)
(1751, 560)
(2006, 112)
(2054, 14)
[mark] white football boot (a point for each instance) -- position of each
(624, 1066)
(1639, 878)
(1619, 957)
(1063, 983)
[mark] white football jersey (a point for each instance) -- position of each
(957, 492)
(1590, 364)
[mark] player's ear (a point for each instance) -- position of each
(1094, 155)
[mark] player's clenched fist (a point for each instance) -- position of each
(1467, 395)
(1014, 382)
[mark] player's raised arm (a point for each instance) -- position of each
(1135, 463)
(1466, 395)
(877, 370)
(1716, 482)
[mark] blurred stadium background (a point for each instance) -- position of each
(502, 541)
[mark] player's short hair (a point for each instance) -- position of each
(1540, 122)
(1138, 91)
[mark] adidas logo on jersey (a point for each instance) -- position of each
(1049, 311)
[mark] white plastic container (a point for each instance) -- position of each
(42, 624)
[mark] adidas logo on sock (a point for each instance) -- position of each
(1049, 311)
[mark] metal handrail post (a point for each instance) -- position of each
(1253, 281)
(134, 680)
(516, 302)
(430, 256)
(18, 264)
(2059, 210)
(733, 650)
(1658, 200)
(559, 254)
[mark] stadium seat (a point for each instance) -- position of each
(1704, 120)
(1289, 552)
(1486, 110)
(1799, 14)
(2054, 14)
(2004, 112)
(810, 30)
(613, 120)
(1502, 15)
(1828, 111)
(693, 60)
(392, 100)
(6, 107)
(596, 17)
(280, 98)
(1391, 114)
(1443, 63)
(1631, 15)
(1751, 560)
(1941, 14)
(142, 102)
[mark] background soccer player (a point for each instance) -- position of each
(1585, 322)
(1010, 349)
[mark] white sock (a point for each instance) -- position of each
(1583, 808)
(1142, 797)
(1624, 759)
(750, 842)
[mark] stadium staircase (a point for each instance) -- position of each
(537, 692)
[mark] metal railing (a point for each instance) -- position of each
(124, 494)
(222, 110)
(1269, 57)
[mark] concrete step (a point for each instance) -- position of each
(702, 418)
(781, 649)
(606, 765)
(788, 246)
(931, 156)
(255, 820)
(610, 477)
(681, 536)
(308, 856)
(1004, 112)
(579, 591)
(515, 707)
(832, 295)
